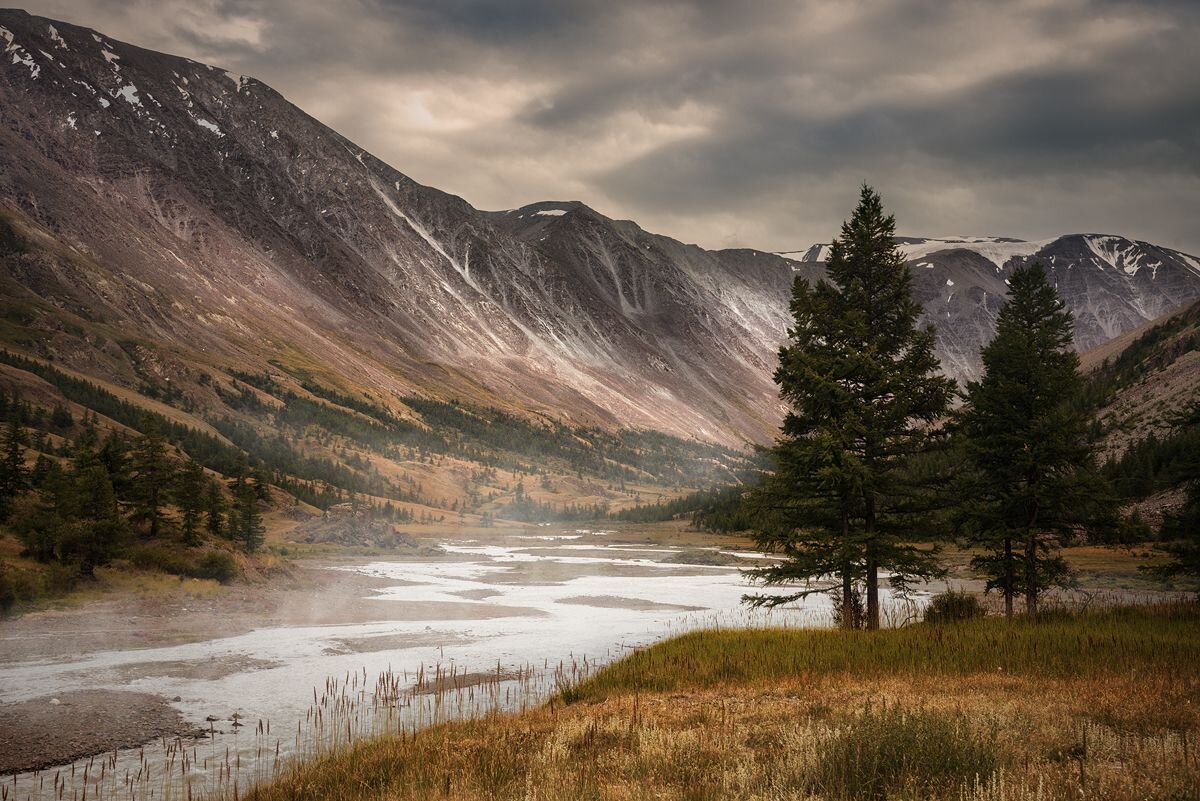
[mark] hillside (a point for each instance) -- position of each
(1145, 389)
(170, 221)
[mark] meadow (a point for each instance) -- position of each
(1085, 704)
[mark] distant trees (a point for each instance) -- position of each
(12, 464)
(81, 501)
(1181, 530)
(1033, 477)
(860, 379)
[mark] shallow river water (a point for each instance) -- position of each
(542, 607)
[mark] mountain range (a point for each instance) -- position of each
(165, 224)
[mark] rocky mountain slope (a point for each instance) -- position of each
(169, 221)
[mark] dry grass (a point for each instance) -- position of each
(1104, 705)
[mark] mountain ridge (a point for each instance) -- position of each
(188, 220)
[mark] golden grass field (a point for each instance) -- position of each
(1101, 704)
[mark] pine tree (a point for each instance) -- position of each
(860, 379)
(190, 497)
(95, 527)
(114, 453)
(40, 521)
(153, 472)
(13, 478)
(1034, 477)
(214, 510)
(248, 523)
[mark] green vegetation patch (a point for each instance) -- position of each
(1118, 640)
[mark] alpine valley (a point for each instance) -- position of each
(183, 240)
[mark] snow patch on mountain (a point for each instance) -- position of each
(129, 94)
(59, 42)
(997, 250)
(211, 126)
(19, 54)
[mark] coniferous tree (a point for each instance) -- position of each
(190, 497)
(1034, 478)
(860, 379)
(248, 526)
(13, 478)
(39, 520)
(94, 528)
(114, 453)
(214, 510)
(152, 472)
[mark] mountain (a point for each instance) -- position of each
(172, 226)
(1111, 285)
(186, 218)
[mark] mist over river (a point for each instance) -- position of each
(549, 605)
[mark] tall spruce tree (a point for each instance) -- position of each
(94, 527)
(190, 497)
(861, 381)
(247, 517)
(1034, 479)
(214, 510)
(153, 473)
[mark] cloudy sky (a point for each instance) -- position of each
(741, 123)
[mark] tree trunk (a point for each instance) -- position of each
(1031, 582)
(872, 591)
(872, 565)
(1009, 578)
(848, 621)
(1031, 588)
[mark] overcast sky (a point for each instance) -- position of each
(741, 124)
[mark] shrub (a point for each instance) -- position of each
(952, 607)
(891, 752)
(28, 585)
(217, 565)
(8, 593)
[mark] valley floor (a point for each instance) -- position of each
(1096, 705)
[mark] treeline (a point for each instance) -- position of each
(90, 499)
(489, 436)
(1158, 463)
(719, 509)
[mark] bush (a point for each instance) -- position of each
(217, 565)
(8, 593)
(894, 752)
(952, 607)
(19, 585)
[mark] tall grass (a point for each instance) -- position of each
(1162, 637)
(1090, 706)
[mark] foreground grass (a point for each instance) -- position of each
(1103, 705)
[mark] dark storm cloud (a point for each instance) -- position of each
(735, 123)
